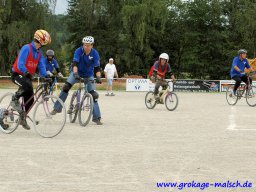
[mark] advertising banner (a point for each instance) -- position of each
(197, 86)
(224, 84)
(137, 85)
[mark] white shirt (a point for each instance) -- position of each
(110, 69)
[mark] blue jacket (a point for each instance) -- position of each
(241, 64)
(51, 65)
(22, 57)
(86, 63)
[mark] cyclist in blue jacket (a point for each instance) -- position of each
(51, 63)
(237, 73)
(86, 61)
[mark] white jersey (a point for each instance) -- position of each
(110, 69)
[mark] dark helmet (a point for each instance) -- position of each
(241, 51)
(50, 52)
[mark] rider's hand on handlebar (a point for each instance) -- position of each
(76, 76)
(60, 75)
(98, 80)
(49, 73)
(28, 75)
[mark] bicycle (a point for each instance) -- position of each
(44, 124)
(54, 87)
(81, 107)
(246, 91)
(166, 96)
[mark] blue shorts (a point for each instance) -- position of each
(110, 82)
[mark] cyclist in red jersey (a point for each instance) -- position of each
(29, 59)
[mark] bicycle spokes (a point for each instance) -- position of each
(169, 97)
(45, 124)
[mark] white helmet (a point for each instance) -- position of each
(88, 39)
(164, 56)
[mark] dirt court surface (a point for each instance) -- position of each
(204, 140)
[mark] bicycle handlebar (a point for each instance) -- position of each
(86, 80)
(167, 81)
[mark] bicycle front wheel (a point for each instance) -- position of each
(251, 96)
(45, 124)
(85, 109)
(11, 120)
(171, 101)
(150, 101)
(230, 97)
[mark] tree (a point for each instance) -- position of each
(17, 27)
(144, 24)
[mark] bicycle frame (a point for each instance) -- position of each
(244, 88)
(78, 96)
(53, 84)
(35, 96)
(164, 92)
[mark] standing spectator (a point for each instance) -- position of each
(110, 72)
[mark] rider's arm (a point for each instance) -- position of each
(237, 69)
(74, 67)
(42, 67)
(56, 65)
(235, 63)
(155, 73)
(24, 52)
(247, 65)
(97, 71)
(76, 59)
(169, 71)
(155, 70)
(96, 61)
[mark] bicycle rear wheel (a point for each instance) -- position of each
(11, 120)
(150, 101)
(231, 99)
(171, 101)
(251, 96)
(85, 109)
(73, 106)
(45, 124)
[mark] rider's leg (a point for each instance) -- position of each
(64, 93)
(23, 84)
(157, 85)
(28, 93)
(25, 90)
(238, 82)
(245, 79)
(96, 114)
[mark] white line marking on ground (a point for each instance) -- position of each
(242, 129)
(232, 119)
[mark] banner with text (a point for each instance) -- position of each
(137, 85)
(224, 84)
(197, 85)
